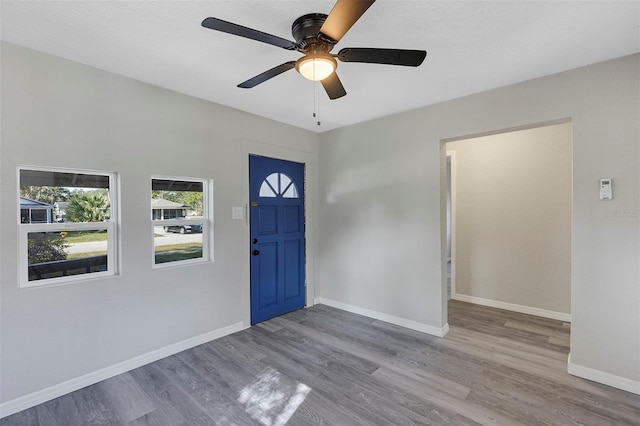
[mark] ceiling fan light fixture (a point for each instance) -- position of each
(316, 67)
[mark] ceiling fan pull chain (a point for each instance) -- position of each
(316, 93)
(316, 102)
(314, 99)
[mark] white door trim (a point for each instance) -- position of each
(452, 155)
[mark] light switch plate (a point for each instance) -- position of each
(237, 213)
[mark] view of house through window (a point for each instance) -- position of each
(179, 214)
(66, 224)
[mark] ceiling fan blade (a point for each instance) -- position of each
(333, 86)
(410, 58)
(344, 14)
(239, 30)
(261, 78)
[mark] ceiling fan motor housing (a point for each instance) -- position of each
(306, 31)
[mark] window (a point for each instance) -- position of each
(278, 184)
(180, 216)
(57, 248)
(38, 216)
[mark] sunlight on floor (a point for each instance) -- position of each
(271, 400)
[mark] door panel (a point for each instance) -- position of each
(267, 268)
(291, 219)
(267, 220)
(292, 269)
(276, 190)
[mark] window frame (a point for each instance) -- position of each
(206, 223)
(111, 226)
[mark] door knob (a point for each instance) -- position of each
(256, 252)
(254, 241)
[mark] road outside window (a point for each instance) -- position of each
(180, 219)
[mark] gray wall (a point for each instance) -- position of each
(382, 205)
(513, 218)
(60, 113)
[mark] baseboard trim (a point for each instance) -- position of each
(27, 401)
(561, 316)
(403, 322)
(602, 377)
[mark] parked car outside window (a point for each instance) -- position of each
(183, 229)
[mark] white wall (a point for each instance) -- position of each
(382, 207)
(63, 114)
(513, 219)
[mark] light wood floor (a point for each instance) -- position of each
(325, 366)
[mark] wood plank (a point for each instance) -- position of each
(212, 399)
(177, 406)
(538, 329)
(160, 417)
(126, 397)
(460, 406)
(93, 407)
(563, 341)
(28, 417)
(60, 411)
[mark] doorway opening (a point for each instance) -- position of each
(508, 220)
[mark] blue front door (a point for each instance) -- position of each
(276, 197)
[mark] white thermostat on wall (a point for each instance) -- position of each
(606, 193)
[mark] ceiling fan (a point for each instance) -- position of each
(316, 34)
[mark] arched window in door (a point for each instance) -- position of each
(278, 185)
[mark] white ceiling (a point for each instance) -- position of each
(472, 46)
